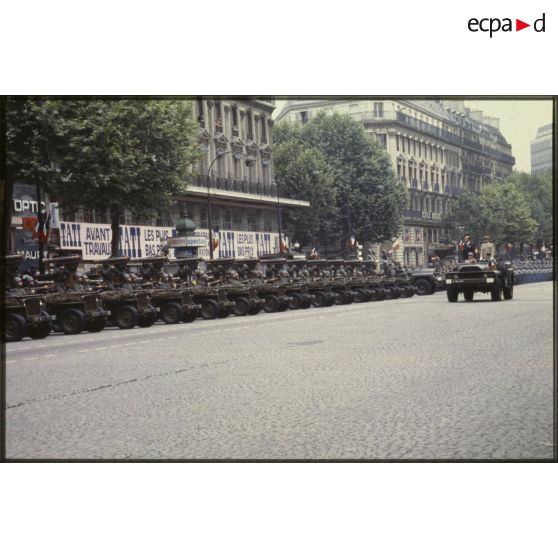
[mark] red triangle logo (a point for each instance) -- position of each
(519, 25)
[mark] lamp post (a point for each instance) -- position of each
(220, 153)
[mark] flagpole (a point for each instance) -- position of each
(40, 237)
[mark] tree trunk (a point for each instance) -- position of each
(115, 227)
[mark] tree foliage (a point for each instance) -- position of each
(504, 210)
(104, 154)
(368, 201)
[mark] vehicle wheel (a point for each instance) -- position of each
(321, 299)
(283, 306)
(468, 294)
(389, 293)
(72, 321)
(306, 304)
(255, 310)
(98, 324)
(125, 317)
(42, 330)
(224, 312)
(452, 294)
(341, 298)
(272, 304)
(209, 309)
(496, 292)
(15, 328)
(189, 317)
(409, 292)
(172, 313)
(296, 302)
(147, 320)
(423, 287)
(241, 306)
(396, 292)
(508, 292)
(360, 296)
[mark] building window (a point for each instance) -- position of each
(199, 110)
(382, 139)
(234, 111)
(263, 133)
(203, 218)
(238, 220)
(252, 219)
(397, 142)
(379, 110)
(304, 116)
(250, 129)
(218, 118)
(403, 145)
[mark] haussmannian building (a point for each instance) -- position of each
(541, 151)
(438, 149)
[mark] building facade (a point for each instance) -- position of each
(233, 183)
(541, 151)
(438, 149)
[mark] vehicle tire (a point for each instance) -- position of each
(241, 306)
(96, 325)
(409, 291)
(423, 287)
(296, 302)
(306, 304)
(209, 309)
(224, 312)
(389, 293)
(72, 321)
(272, 304)
(452, 294)
(42, 330)
(256, 309)
(283, 306)
(342, 298)
(148, 320)
(508, 292)
(468, 295)
(125, 316)
(360, 296)
(396, 292)
(189, 317)
(496, 292)
(375, 294)
(172, 313)
(15, 328)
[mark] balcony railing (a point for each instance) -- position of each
(450, 137)
(231, 185)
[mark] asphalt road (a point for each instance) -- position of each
(412, 378)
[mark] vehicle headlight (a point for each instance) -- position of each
(490, 280)
(449, 281)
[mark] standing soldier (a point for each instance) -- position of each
(486, 248)
(468, 246)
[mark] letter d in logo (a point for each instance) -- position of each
(539, 24)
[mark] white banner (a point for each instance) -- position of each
(137, 241)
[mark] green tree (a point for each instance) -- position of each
(501, 210)
(368, 199)
(103, 154)
(303, 173)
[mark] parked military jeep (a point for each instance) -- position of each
(498, 280)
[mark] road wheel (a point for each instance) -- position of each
(468, 294)
(508, 292)
(409, 291)
(224, 312)
(256, 309)
(360, 296)
(15, 328)
(209, 309)
(283, 306)
(172, 313)
(42, 330)
(452, 294)
(72, 321)
(496, 292)
(342, 298)
(423, 287)
(396, 292)
(241, 306)
(98, 324)
(296, 302)
(375, 294)
(148, 320)
(125, 316)
(189, 317)
(272, 304)
(306, 304)
(389, 293)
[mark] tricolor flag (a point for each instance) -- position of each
(42, 227)
(215, 238)
(283, 244)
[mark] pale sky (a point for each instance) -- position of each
(519, 121)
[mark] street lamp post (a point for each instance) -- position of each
(220, 153)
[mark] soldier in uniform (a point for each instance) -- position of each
(486, 248)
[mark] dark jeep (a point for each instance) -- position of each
(427, 281)
(496, 279)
